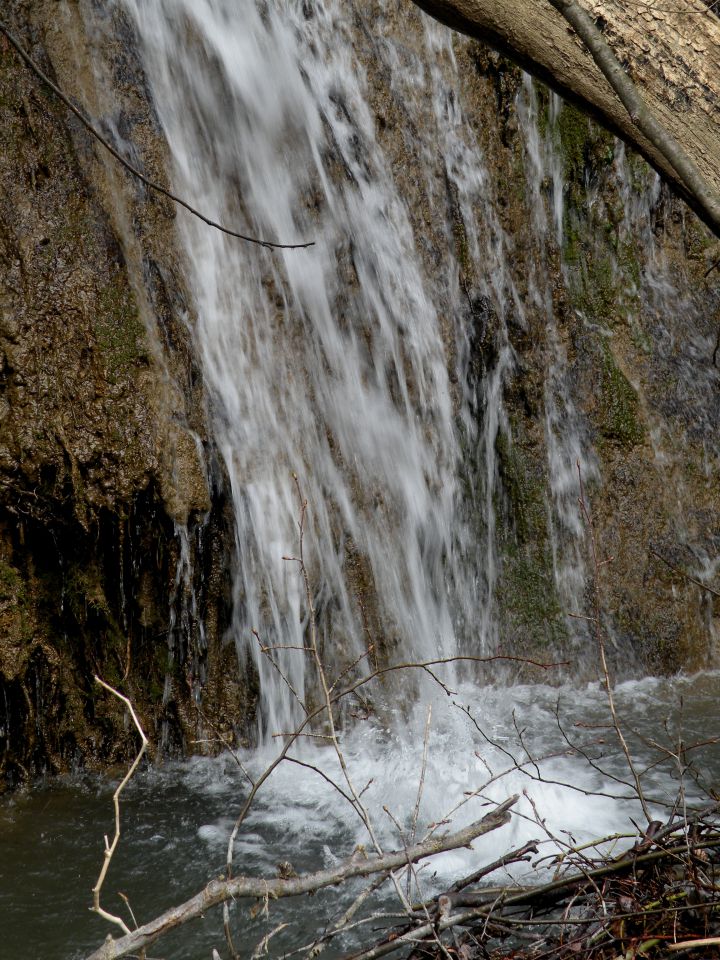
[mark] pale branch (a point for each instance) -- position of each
(640, 114)
(513, 856)
(694, 944)
(111, 847)
(221, 890)
(150, 184)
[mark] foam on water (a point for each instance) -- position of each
(177, 817)
(466, 769)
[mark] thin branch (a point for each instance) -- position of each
(266, 651)
(534, 895)
(111, 847)
(673, 567)
(421, 784)
(694, 944)
(220, 890)
(151, 184)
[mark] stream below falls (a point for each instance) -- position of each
(177, 817)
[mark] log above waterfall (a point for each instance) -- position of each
(670, 52)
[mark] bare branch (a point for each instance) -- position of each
(220, 890)
(111, 847)
(151, 184)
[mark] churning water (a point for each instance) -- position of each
(177, 818)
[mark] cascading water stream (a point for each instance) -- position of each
(355, 365)
(332, 363)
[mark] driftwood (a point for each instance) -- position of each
(643, 897)
(221, 890)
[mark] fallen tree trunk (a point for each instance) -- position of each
(669, 50)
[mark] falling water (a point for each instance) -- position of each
(367, 373)
(569, 450)
(337, 363)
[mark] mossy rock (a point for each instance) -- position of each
(525, 491)
(619, 419)
(118, 328)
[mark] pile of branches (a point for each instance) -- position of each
(657, 899)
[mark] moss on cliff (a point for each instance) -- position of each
(619, 419)
(527, 596)
(95, 426)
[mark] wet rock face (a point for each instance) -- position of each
(623, 338)
(101, 422)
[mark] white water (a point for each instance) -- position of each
(177, 818)
(327, 362)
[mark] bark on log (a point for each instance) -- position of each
(670, 50)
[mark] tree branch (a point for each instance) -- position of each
(640, 114)
(111, 847)
(151, 184)
(220, 890)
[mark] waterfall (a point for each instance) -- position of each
(341, 363)
(375, 365)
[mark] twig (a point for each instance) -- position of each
(421, 784)
(151, 184)
(266, 651)
(220, 890)
(676, 569)
(262, 948)
(111, 847)
(693, 944)
(536, 895)
(317, 946)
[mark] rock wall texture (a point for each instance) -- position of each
(670, 52)
(103, 454)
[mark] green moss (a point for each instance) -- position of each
(619, 420)
(526, 592)
(525, 491)
(528, 598)
(698, 238)
(85, 594)
(542, 95)
(639, 171)
(118, 328)
(572, 129)
(12, 585)
(598, 295)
